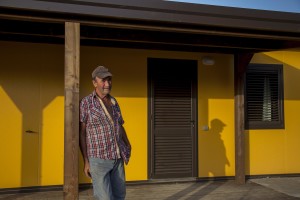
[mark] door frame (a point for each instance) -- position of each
(194, 113)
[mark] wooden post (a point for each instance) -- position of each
(71, 141)
(241, 62)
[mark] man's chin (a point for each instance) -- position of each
(106, 91)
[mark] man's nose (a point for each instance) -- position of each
(107, 82)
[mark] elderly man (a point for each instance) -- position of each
(103, 140)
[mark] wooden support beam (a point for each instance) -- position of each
(71, 142)
(241, 62)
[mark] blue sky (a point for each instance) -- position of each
(275, 5)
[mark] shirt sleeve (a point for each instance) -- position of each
(83, 111)
(120, 119)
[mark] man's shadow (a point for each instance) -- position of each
(214, 150)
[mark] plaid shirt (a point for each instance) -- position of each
(101, 134)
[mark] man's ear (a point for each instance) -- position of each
(94, 83)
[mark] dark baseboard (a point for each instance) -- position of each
(31, 189)
(85, 186)
(218, 178)
(272, 176)
(248, 177)
(205, 179)
(162, 181)
(82, 186)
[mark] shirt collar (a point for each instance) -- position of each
(94, 94)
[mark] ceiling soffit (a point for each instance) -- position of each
(127, 30)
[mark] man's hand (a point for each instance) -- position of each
(87, 169)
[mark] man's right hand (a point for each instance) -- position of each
(87, 169)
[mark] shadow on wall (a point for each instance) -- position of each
(216, 86)
(213, 150)
(215, 102)
(31, 79)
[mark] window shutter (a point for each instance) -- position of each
(173, 107)
(264, 95)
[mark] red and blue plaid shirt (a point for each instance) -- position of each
(101, 134)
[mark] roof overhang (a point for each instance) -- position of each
(151, 25)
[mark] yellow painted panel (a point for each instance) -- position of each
(133, 111)
(277, 151)
(265, 150)
(290, 58)
(20, 81)
(30, 75)
(52, 143)
(216, 107)
(216, 145)
(10, 142)
(292, 141)
(52, 117)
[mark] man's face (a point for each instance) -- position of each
(103, 85)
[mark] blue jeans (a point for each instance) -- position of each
(108, 179)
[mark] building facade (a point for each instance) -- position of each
(175, 77)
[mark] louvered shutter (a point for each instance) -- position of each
(172, 118)
(264, 94)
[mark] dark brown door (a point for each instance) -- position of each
(173, 111)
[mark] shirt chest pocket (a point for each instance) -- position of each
(96, 116)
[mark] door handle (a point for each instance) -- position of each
(30, 131)
(193, 123)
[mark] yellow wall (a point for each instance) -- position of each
(41, 67)
(277, 151)
(32, 97)
(215, 93)
(216, 104)
(10, 144)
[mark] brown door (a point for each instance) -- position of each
(173, 111)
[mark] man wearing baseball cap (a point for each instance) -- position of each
(103, 140)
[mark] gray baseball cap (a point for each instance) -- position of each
(101, 72)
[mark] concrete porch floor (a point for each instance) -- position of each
(262, 188)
